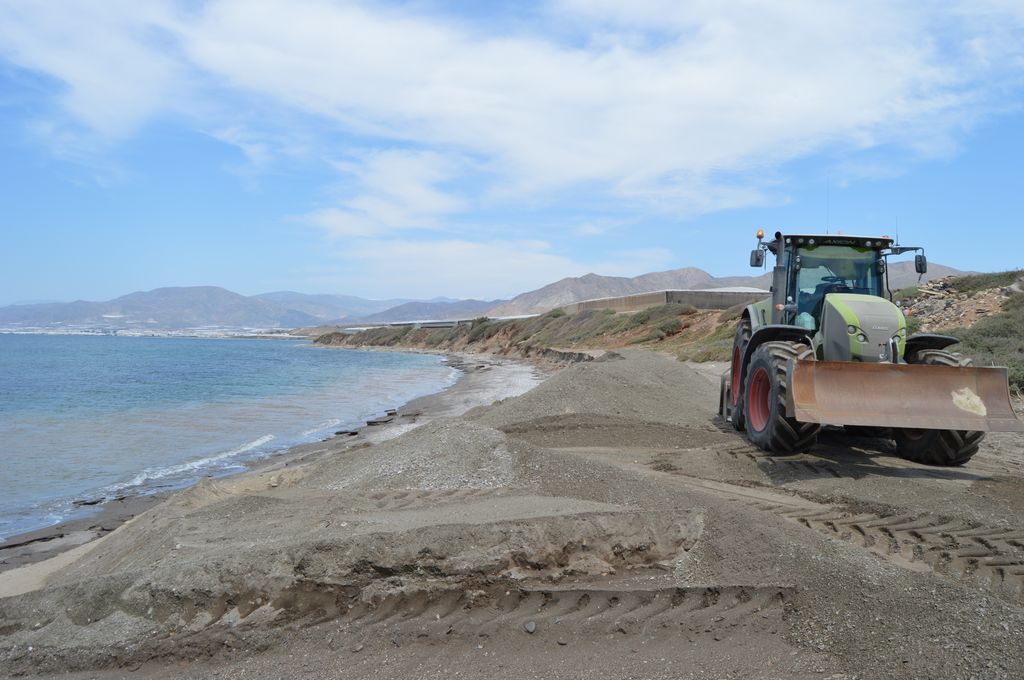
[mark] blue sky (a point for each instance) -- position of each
(466, 149)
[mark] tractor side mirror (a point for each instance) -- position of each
(920, 264)
(756, 257)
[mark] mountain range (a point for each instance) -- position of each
(590, 286)
(212, 307)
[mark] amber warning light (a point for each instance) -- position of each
(760, 234)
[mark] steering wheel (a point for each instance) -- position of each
(833, 279)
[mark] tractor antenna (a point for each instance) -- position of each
(828, 203)
(897, 230)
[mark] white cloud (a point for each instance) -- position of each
(661, 105)
(111, 57)
(388, 191)
(256, 150)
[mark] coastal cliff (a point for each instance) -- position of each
(560, 337)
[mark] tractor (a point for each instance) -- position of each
(830, 348)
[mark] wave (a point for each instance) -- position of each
(333, 422)
(153, 474)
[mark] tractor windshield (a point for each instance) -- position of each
(832, 269)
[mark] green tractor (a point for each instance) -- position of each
(830, 348)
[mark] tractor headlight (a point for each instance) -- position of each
(862, 337)
(851, 329)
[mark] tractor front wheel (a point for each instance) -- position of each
(736, 388)
(764, 400)
(937, 447)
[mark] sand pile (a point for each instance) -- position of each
(646, 388)
(600, 523)
(445, 454)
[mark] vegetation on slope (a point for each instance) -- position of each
(667, 327)
(997, 340)
(687, 333)
(973, 283)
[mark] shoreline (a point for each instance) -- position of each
(474, 386)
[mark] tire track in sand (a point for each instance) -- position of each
(991, 558)
(985, 557)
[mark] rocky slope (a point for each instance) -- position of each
(939, 305)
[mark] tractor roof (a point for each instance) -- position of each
(839, 240)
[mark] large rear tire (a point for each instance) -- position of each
(764, 400)
(937, 447)
(736, 390)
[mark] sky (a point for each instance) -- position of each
(466, 149)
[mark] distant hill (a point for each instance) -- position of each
(590, 286)
(434, 311)
(330, 307)
(160, 309)
(902, 274)
(166, 309)
(574, 289)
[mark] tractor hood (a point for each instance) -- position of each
(860, 328)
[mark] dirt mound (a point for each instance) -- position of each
(445, 454)
(602, 525)
(645, 388)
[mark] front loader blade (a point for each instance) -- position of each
(901, 395)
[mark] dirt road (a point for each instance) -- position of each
(604, 524)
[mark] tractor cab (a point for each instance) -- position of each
(814, 265)
(833, 286)
(822, 268)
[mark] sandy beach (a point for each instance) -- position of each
(483, 380)
(603, 524)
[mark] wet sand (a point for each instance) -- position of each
(484, 379)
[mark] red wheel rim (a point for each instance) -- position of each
(735, 375)
(757, 402)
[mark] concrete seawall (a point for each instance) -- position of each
(701, 299)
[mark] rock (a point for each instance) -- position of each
(396, 639)
(562, 642)
(530, 627)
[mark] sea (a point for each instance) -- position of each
(86, 418)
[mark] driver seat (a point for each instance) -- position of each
(821, 291)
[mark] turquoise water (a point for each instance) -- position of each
(88, 417)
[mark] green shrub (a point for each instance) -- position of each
(715, 347)
(972, 283)
(733, 312)
(906, 294)
(556, 313)
(997, 340)
(482, 331)
(670, 326)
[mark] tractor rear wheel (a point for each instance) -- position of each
(736, 389)
(937, 447)
(764, 400)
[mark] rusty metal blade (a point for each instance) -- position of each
(901, 395)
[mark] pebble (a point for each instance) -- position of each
(530, 627)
